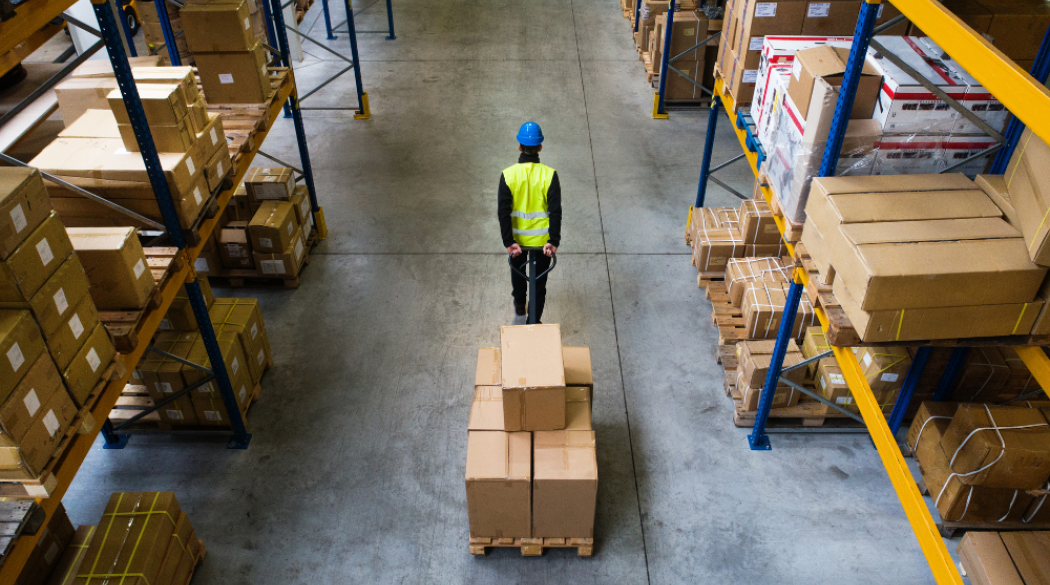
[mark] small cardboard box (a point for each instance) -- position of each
(832, 385)
(237, 77)
(273, 226)
(232, 355)
(164, 105)
(214, 28)
(181, 76)
(64, 290)
(814, 344)
(286, 264)
(180, 315)
(181, 411)
(134, 535)
(928, 413)
(21, 408)
(564, 484)
(269, 184)
(486, 411)
(713, 247)
(177, 137)
(487, 372)
(756, 223)
(533, 377)
(21, 343)
(884, 367)
(162, 375)
(85, 369)
(1021, 456)
(578, 408)
(234, 246)
(577, 366)
(77, 96)
(28, 458)
(753, 361)
(219, 164)
(116, 266)
(829, 64)
(242, 316)
(24, 205)
(34, 261)
(742, 271)
(64, 342)
(499, 484)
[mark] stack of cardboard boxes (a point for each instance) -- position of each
(1018, 558)
(154, 35)
(46, 558)
(688, 30)
(884, 369)
(719, 234)
(54, 350)
(531, 464)
(230, 58)
(99, 152)
(980, 461)
(88, 86)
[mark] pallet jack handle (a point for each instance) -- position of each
(532, 277)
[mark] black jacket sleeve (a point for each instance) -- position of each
(505, 204)
(554, 208)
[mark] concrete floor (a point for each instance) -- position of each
(355, 472)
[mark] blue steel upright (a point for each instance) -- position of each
(327, 20)
(390, 20)
(709, 144)
(911, 380)
(951, 374)
(758, 439)
(665, 58)
(133, 104)
(351, 30)
(637, 13)
(165, 27)
(293, 105)
(1040, 71)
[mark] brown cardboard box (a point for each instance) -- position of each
(243, 317)
(486, 411)
(300, 199)
(115, 265)
(273, 226)
(209, 408)
(51, 303)
(208, 262)
(742, 271)
(178, 556)
(181, 76)
(164, 105)
(688, 29)
(65, 572)
(1024, 463)
(883, 367)
(162, 376)
(488, 369)
(215, 28)
(64, 342)
(93, 124)
(166, 138)
(286, 264)
(269, 184)
(232, 355)
(988, 561)
(564, 484)
(829, 64)
(133, 536)
(741, 83)
(755, 20)
(983, 377)
(180, 315)
(832, 385)
(763, 306)
(499, 484)
(27, 459)
(77, 96)
(533, 377)
(995, 187)
(34, 261)
(218, 166)
(753, 359)
(234, 77)
(577, 366)
(937, 414)
(813, 344)
(86, 368)
(681, 87)
(80, 212)
(578, 408)
(21, 343)
(756, 223)
(21, 408)
(24, 205)
(1026, 178)
(713, 247)
(44, 558)
(827, 18)
(234, 246)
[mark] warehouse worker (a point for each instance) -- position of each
(529, 212)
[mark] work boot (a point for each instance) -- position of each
(519, 309)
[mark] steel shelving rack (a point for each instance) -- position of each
(1029, 101)
(75, 453)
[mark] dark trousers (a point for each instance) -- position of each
(520, 284)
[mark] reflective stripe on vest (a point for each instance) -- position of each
(530, 218)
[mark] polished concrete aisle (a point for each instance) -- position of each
(355, 472)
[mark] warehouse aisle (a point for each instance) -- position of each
(355, 472)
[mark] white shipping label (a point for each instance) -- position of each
(837, 378)
(220, 170)
(261, 357)
(796, 72)
(823, 384)
(225, 78)
(298, 249)
(247, 23)
(44, 249)
(844, 400)
(889, 377)
(878, 14)
(174, 414)
(93, 360)
(278, 266)
(267, 266)
(191, 166)
(234, 250)
(765, 9)
(197, 195)
(135, 374)
(755, 44)
(212, 415)
(201, 265)
(32, 402)
(304, 208)
(14, 355)
(818, 10)
(18, 217)
(214, 137)
(750, 76)
(289, 230)
(165, 325)
(867, 359)
(266, 242)
(52, 551)
(255, 330)
(270, 179)
(242, 394)
(163, 387)
(236, 365)
(60, 301)
(76, 326)
(140, 267)
(51, 423)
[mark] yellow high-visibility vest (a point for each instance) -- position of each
(530, 217)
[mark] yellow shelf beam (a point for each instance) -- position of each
(914, 504)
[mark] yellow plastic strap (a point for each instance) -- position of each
(87, 541)
(105, 536)
(138, 541)
(1019, 317)
(1010, 179)
(899, 324)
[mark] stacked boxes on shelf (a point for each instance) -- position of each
(720, 234)
(231, 59)
(531, 465)
(88, 86)
(46, 559)
(990, 558)
(688, 30)
(54, 349)
(154, 36)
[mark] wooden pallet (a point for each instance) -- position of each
(804, 414)
(724, 316)
(237, 278)
(705, 278)
(532, 547)
(124, 326)
(135, 399)
(44, 484)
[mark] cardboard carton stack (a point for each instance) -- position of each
(46, 558)
(99, 152)
(719, 234)
(688, 29)
(980, 461)
(150, 22)
(922, 257)
(230, 58)
(531, 465)
(88, 86)
(1018, 558)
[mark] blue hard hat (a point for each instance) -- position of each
(530, 134)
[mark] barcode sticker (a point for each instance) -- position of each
(278, 266)
(796, 70)
(219, 169)
(765, 9)
(60, 301)
(270, 179)
(140, 267)
(755, 44)
(44, 249)
(267, 266)
(93, 360)
(889, 377)
(18, 217)
(818, 10)
(14, 355)
(837, 378)
(32, 402)
(236, 365)
(255, 330)
(879, 13)
(867, 359)
(212, 415)
(750, 76)
(844, 400)
(76, 326)
(225, 78)
(247, 23)
(51, 423)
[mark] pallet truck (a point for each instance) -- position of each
(532, 277)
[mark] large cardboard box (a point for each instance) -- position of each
(486, 411)
(34, 261)
(488, 368)
(269, 184)
(21, 343)
(177, 137)
(27, 459)
(24, 205)
(273, 226)
(51, 541)
(235, 77)
(87, 161)
(1015, 458)
(133, 537)
(938, 414)
(86, 368)
(243, 317)
(1005, 558)
(499, 484)
(756, 222)
(180, 315)
(64, 342)
(883, 367)
(116, 266)
(564, 484)
(755, 20)
(164, 105)
(829, 64)
(20, 409)
(65, 572)
(813, 344)
(218, 27)
(1026, 182)
(285, 264)
(234, 246)
(533, 377)
(714, 247)
(905, 106)
(578, 366)
(162, 377)
(77, 96)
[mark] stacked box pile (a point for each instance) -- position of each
(980, 461)
(154, 36)
(266, 227)
(46, 559)
(230, 57)
(1017, 558)
(691, 26)
(99, 152)
(241, 333)
(53, 350)
(531, 464)
(884, 368)
(88, 86)
(720, 234)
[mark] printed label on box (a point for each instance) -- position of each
(837, 378)
(51, 423)
(298, 249)
(140, 267)
(796, 70)
(191, 166)
(278, 266)
(225, 78)
(197, 195)
(14, 355)
(261, 357)
(163, 387)
(818, 10)
(174, 414)
(750, 76)
(878, 14)
(255, 330)
(844, 400)
(219, 170)
(867, 359)
(165, 325)
(76, 326)
(755, 44)
(234, 250)
(765, 9)
(289, 230)
(60, 301)
(32, 402)
(266, 242)
(93, 360)
(44, 249)
(242, 394)
(212, 415)
(18, 217)
(889, 377)
(201, 265)
(214, 137)
(235, 366)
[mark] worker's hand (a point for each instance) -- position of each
(513, 250)
(549, 250)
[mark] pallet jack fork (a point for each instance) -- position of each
(532, 277)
